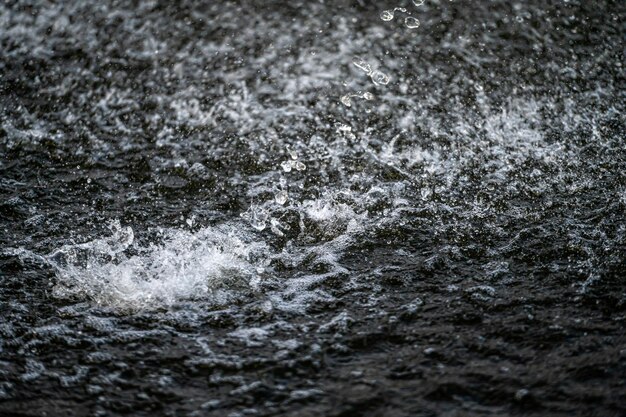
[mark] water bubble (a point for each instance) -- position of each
(411, 22)
(281, 197)
(380, 78)
(286, 165)
(346, 101)
(386, 15)
(418, 2)
(362, 64)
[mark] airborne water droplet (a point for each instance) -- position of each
(362, 64)
(300, 166)
(256, 217)
(380, 78)
(286, 165)
(418, 2)
(411, 22)
(346, 100)
(281, 197)
(368, 96)
(386, 15)
(274, 224)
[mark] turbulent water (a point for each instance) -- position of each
(312, 208)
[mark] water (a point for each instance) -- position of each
(228, 209)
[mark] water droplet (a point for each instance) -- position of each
(386, 15)
(300, 166)
(346, 100)
(256, 217)
(292, 154)
(346, 131)
(281, 197)
(368, 96)
(380, 78)
(418, 2)
(286, 165)
(362, 64)
(411, 22)
(274, 224)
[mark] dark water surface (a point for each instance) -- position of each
(302, 209)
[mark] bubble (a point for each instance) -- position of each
(386, 15)
(281, 197)
(346, 101)
(411, 22)
(362, 64)
(418, 2)
(380, 78)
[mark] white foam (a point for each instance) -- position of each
(213, 264)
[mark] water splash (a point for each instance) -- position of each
(214, 264)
